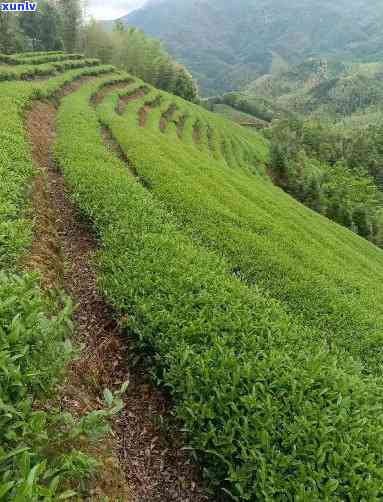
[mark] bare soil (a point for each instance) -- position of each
(167, 117)
(143, 115)
(145, 110)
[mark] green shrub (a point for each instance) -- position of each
(37, 441)
(25, 72)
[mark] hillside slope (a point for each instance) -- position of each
(228, 43)
(264, 318)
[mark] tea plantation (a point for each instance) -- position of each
(263, 319)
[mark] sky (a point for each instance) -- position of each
(112, 9)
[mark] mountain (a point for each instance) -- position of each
(229, 43)
(324, 89)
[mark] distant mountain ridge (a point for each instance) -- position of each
(323, 89)
(229, 43)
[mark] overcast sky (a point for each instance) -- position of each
(112, 9)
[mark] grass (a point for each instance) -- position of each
(258, 313)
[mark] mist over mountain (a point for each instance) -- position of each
(229, 43)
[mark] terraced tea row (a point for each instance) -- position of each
(39, 58)
(265, 337)
(15, 163)
(34, 328)
(269, 240)
(264, 319)
(169, 114)
(31, 71)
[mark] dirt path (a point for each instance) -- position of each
(144, 463)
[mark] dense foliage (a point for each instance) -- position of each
(257, 311)
(364, 147)
(58, 25)
(325, 137)
(323, 88)
(312, 163)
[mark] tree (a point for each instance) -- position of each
(71, 12)
(51, 27)
(97, 42)
(130, 49)
(361, 221)
(11, 37)
(43, 27)
(184, 85)
(119, 26)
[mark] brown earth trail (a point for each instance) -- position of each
(144, 462)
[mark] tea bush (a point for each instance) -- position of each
(38, 58)
(16, 166)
